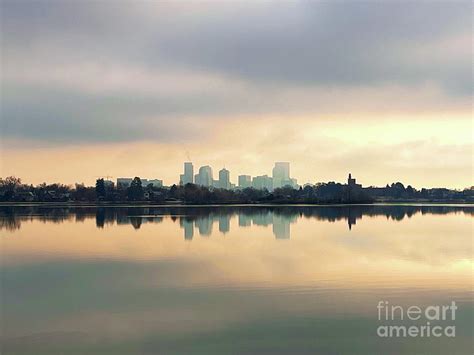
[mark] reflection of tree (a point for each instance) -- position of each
(10, 223)
(136, 222)
(100, 218)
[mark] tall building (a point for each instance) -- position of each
(188, 176)
(281, 174)
(262, 182)
(245, 181)
(204, 177)
(224, 179)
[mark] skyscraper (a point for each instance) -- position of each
(188, 176)
(281, 174)
(204, 177)
(262, 182)
(245, 181)
(224, 179)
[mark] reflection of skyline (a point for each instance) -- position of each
(224, 223)
(244, 220)
(188, 226)
(204, 224)
(281, 227)
(202, 218)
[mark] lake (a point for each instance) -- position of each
(236, 279)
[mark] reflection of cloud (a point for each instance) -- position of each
(116, 305)
(115, 286)
(379, 240)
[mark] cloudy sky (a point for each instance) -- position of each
(380, 89)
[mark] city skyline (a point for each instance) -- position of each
(236, 177)
(280, 177)
(236, 180)
(205, 177)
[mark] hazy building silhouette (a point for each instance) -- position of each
(124, 182)
(204, 177)
(188, 176)
(224, 179)
(154, 183)
(262, 182)
(280, 174)
(245, 181)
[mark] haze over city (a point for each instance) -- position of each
(379, 90)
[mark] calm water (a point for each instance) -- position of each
(231, 280)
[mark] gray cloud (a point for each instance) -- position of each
(334, 44)
(229, 59)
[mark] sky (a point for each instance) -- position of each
(115, 88)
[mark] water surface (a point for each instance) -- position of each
(230, 279)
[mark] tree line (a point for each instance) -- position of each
(13, 190)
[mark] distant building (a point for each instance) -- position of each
(281, 174)
(188, 176)
(154, 183)
(224, 179)
(262, 182)
(245, 181)
(352, 182)
(294, 183)
(123, 183)
(204, 178)
(108, 183)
